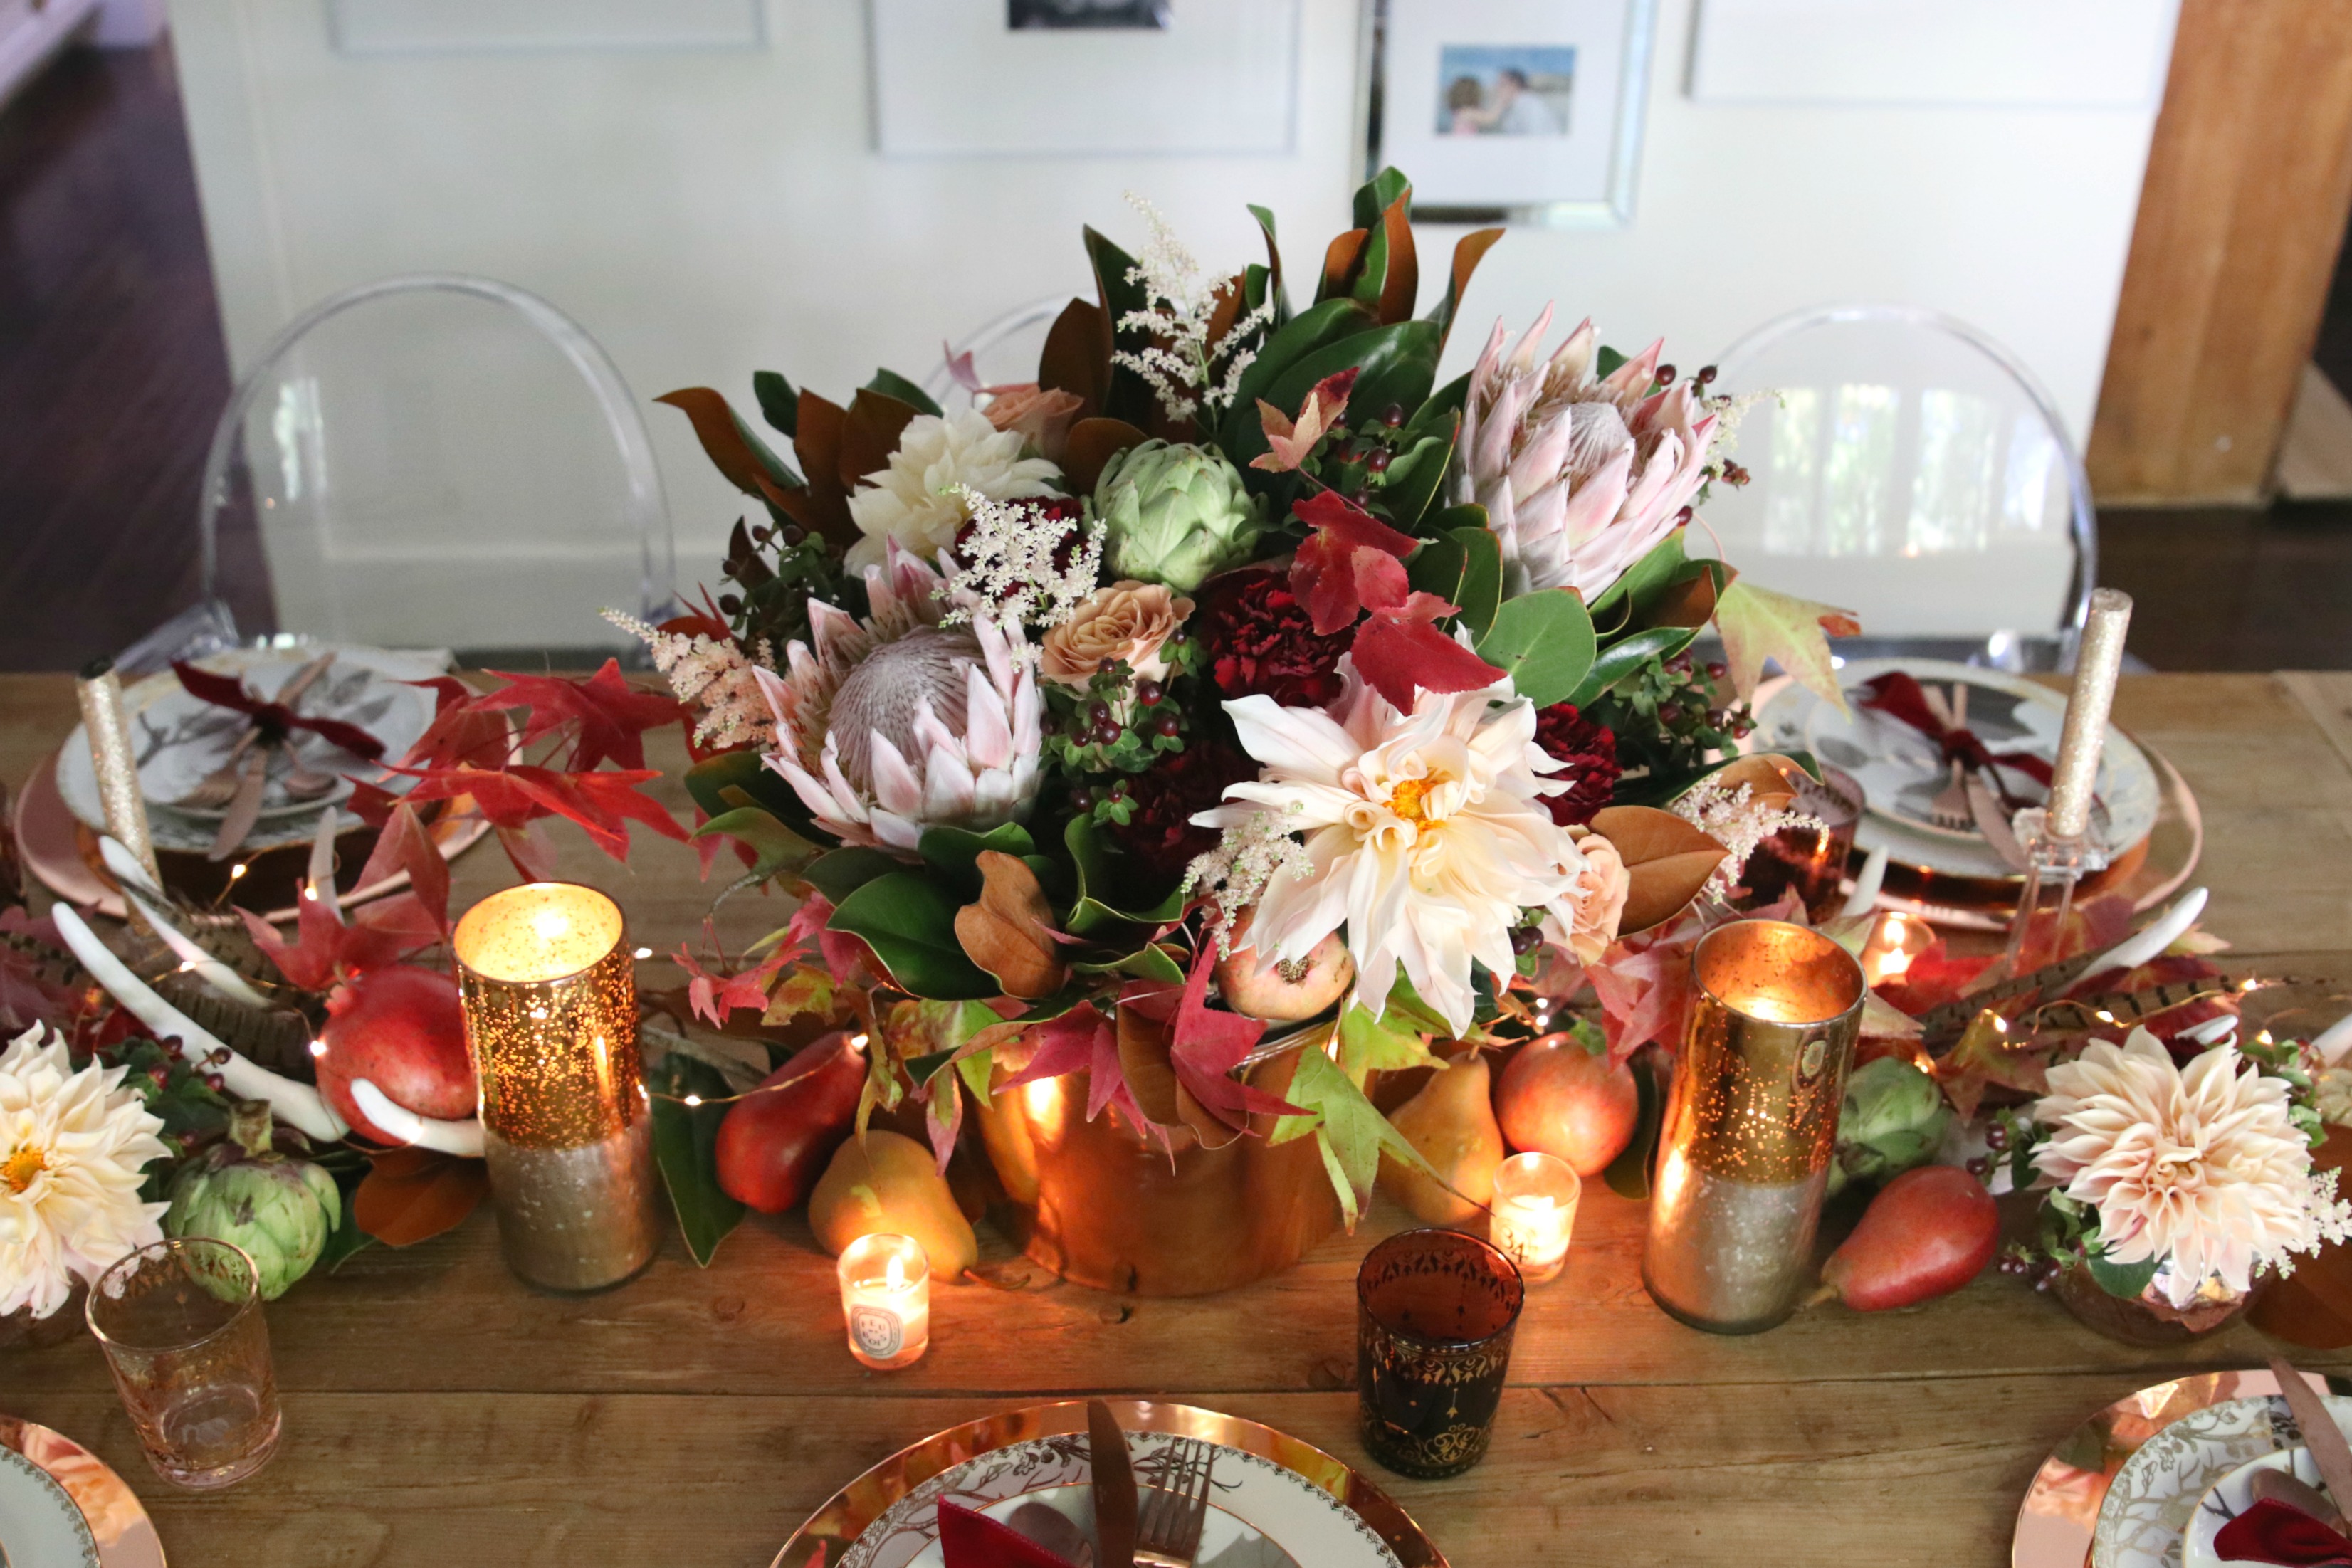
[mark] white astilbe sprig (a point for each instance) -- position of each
(1250, 855)
(1005, 569)
(1733, 819)
(1183, 369)
(715, 675)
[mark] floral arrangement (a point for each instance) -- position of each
(1231, 686)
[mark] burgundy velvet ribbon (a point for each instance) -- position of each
(2271, 1532)
(1898, 696)
(273, 717)
(969, 1540)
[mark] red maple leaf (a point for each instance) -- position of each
(1350, 563)
(404, 845)
(611, 718)
(1397, 649)
(1081, 1041)
(1646, 993)
(461, 734)
(1207, 1044)
(715, 994)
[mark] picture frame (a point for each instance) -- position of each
(1524, 112)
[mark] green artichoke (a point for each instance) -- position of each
(278, 1209)
(1894, 1118)
(1174, 514)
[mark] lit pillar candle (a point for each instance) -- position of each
(1534, 1214)
(886, 1300)
(551, 1008)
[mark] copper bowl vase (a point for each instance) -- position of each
(2148, 1318)
(1102, 1204)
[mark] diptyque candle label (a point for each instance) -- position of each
(877, 1330)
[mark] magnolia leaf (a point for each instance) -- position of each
(346, 1238)
(779, 405)
(1768, 783)
(774, 847)
(1758, 623)
(839, 873)
(909, 923)
(1008, 929)
(411, 1195)
(1629, 653)
(957, 850)
(890, 383)
(686, 1145)
(733, 447)
(1667, 861)
(1469, 251)
(2125, 1279)
(1410, 485)
(1093, 443)
(1143, 1059)
(1544, 642)
(1628, 1175)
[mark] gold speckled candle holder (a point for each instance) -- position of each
(1750, 1124)
(550, 1004)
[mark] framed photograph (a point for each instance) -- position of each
(1511, 111)
(978, 79)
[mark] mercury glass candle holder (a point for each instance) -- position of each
(1750, 1124)
(551, 1005)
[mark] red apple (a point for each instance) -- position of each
(774, 1142)
(1928, 1232)
(1560, 1098)
(401, 1029)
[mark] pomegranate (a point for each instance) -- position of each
(1283, 992)
(1928, 1232)
(401, 1029)
(1563, 1100)
(774, 1143)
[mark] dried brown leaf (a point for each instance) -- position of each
(411, 1195)
(1008, 930)
(1667, 861)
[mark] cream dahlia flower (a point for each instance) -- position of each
(71, 1149)
(2200, 1164)
(917, 502)
(895, 724)
(1579, 476)
(1425, 834)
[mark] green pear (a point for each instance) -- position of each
(1452, 1124)
(884, 1184)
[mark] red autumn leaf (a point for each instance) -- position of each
(1291, 443)
(530, 850)
(611, 718)
(1350, 563)
(1397, 649)
(309, 961)
(404, 845)
(1207, 1044)
(1081, 1041)
(461, 733)
(513, 798)
(385, 932)
(714, 996)
(1645, 995)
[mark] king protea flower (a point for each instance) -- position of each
(896, 724)
(2201, 1165)
(1580, 477)
(1426, 834)
(72, 1145)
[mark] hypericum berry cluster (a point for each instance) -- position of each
(1669, 714)
(1355, 460)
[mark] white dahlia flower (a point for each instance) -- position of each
(1426, 837)
(71, 1149)
(892, 725)
(917, 502)
(2200, 1164)
(1579, 476)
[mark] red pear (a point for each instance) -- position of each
(775, 1141)
(1928, 1232)
(401, 1029)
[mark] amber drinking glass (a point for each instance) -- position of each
(180, 1323)
(1434, 1313)
(1810, 861)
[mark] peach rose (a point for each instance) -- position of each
(1129, 621)
(1043, 416)
(1599, 897)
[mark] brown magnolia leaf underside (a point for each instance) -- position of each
(1008, 930)
(412, 1195)
(1667, 861)
(1093, 443)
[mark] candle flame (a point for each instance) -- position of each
(894, 1273)
(550, 925)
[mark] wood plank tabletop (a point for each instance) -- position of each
(438, 1412)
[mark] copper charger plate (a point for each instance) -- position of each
(58, 848)
(2061, 1512)
(830, 1531)
(125, 1535)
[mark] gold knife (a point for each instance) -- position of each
(1114, 1484)
(2329, 1450)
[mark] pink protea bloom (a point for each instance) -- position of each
(1581, 475)
(896, 724)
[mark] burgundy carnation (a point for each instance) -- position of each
(1261, 641)
(1591, 753)
(1159, 832)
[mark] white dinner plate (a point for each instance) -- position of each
(39, 1525)
(2145, 1520)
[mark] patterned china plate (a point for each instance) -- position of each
(39, 1525)
(2064, 1514)
(2154, 1497)
(120, 1530)
(2231, 1496)
(1318, 1510)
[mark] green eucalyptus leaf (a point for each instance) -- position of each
(1544, 642)
(686, 1145)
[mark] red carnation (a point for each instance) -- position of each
(1159, 832)
(1261, 641)
(1591, 753)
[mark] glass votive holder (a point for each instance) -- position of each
(1434, 1315)
(181, 1328)
(885, 1301)
(1534, 1214)
(1810, 861)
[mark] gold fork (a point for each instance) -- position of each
(1168, 1527)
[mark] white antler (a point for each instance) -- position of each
(224, 980)
(2160, 933)
(407, 1126)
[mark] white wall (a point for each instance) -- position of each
(706, 213)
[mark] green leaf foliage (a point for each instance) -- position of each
(1348, 1129)
(908, 920)
(685, 1143)
(840, 873)
(957, 850)
(1605, 363)
(1544, 642)
(719, 784)
(1627, 654)
(779, 405)
(1149, 962)
(1616, 610)
(779, 848)
(1462, 566)
(1628, 1175)
(890, 383)
(1415, 475)
(1394, 364)
(2125, 1279)
(1389, 1044)
(1093, 914)
(346, 1238)
(1376, 195)
(1311, 331)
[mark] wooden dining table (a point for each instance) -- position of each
(440, 1413)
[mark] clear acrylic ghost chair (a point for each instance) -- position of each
(1908, 467)
(1004, 352)
(432, 461)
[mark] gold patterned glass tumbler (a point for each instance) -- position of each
(181, 1324)
(1750, 1124)
(551, 1002)
(1435, 1310)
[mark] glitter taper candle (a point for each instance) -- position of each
(1750, 1124)
(551, 1002)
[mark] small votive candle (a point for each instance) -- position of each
(1534, 1214)
(1893, 943)
(886, 1300)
